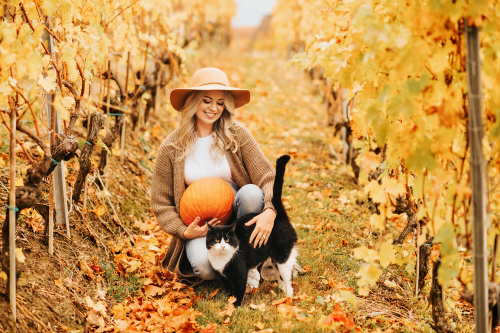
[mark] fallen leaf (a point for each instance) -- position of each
(3, 276)
(338, 316)
(84, 266)
(98, 307)
(259, 325)
(134, 264)
(151, 290)
(119, 311)
(261, 307)
(209, 329)
(229, 307)
(213, 293)
(286, 310)
(19, 255)
(100, 211)
(59, 283)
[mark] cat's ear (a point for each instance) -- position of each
(233, 226)
(210, 227)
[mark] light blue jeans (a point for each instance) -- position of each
(248, 200)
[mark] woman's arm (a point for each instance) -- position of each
(261, 171)
(262, 174)
(162, 195)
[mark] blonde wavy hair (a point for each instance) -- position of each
(223, 136)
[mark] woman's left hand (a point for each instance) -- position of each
(265, 224)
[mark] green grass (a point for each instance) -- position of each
(121, 286)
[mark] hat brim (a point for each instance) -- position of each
(178, 96)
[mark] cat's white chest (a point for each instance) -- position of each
(219, 258)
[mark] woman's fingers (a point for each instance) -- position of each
(252, 236)
(213, 222)
(252, 221)
(195, 223)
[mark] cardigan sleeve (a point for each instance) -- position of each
(261, 171)
(162, 196)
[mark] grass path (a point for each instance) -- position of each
(286, 116)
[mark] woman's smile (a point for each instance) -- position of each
(210, 114)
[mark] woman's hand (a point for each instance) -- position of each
(265, 224)
(195, 231)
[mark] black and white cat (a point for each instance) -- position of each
(232, 256)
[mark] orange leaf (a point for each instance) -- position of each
(213, 293)
(338, 315)
(209, 329)
(229, 308)
(99, 211)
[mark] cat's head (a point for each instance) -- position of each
(222, 238)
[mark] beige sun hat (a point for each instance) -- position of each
(209, 78)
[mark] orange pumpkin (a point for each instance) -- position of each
(207, 198)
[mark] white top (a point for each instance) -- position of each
(201, 164)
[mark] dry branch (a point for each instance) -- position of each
(95, 125)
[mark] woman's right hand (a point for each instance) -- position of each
(195, 231)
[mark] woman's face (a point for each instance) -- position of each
(211, 107)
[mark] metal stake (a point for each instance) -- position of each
(12, 215)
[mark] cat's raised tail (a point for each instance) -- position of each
(278, 184)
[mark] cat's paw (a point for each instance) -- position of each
(253, 280)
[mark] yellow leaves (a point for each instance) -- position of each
(368, 274)
(68, 102)
(48, 83)
(377, 221)
(387, 254)
(379, 193)
(349, 297)
(365, 253)
(61, 108)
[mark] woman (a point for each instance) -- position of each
(209, 143)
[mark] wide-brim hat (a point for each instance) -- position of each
(209, 78)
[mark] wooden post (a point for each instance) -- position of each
(418, 260)
(124, 131)
(158, 91)
(51, 183)
(343, 132)
(477, 180)
(108, 96)
(12, 214)
(60, 203)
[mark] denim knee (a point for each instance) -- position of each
(249, 200)
(197, 254)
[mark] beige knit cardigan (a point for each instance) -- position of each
(248, 166)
